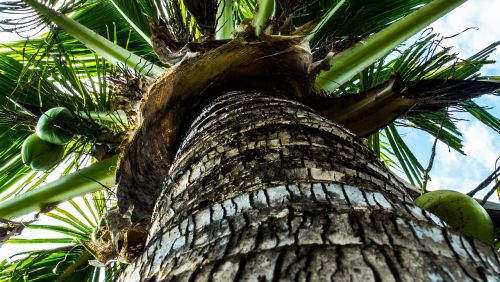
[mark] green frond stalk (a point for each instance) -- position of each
(116, 116)
(130, 22)
(348, 63)
(225, 25)
(81, 182)
(112, 52)
(265, 9)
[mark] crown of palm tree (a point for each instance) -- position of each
(96, 58)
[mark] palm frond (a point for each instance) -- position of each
(346, 64)
(90, 38)
(407, 160)
(104, 19)
(131, 12)
(243, 10)
(431, 71)
(225, 21)
(356, 18)
(482, 115)
(69, 260)
(22, 20)
(86, 180)
(182, 22)
(59, 80)
(265, 9)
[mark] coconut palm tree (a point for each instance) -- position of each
(244, 131)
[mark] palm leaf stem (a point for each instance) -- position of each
(112, 52)
(367, 112)
(225, 24)
(116, 116)
(80, 263)
(350, 62)
(86, 180)
(265, 10)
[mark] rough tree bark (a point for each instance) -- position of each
(263, 188)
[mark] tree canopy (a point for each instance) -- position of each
(96, 58)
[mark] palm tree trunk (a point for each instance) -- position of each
(263, 188)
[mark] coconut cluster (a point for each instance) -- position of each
(45, 148)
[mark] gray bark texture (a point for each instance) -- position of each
(264, 189)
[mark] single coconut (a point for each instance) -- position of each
(460, 212)
(40, 154)
(54, 126)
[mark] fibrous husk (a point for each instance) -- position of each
(9, 229)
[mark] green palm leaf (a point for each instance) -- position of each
(29, 92)
(424, 59)
(93, 30)
(66, 263)
(351, 18)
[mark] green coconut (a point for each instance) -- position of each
(40, 154)
(460, 212)
(54, 126)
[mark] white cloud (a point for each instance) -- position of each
(455, 182)
(454, 171)
(479, 144)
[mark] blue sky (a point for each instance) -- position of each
(451, 169)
